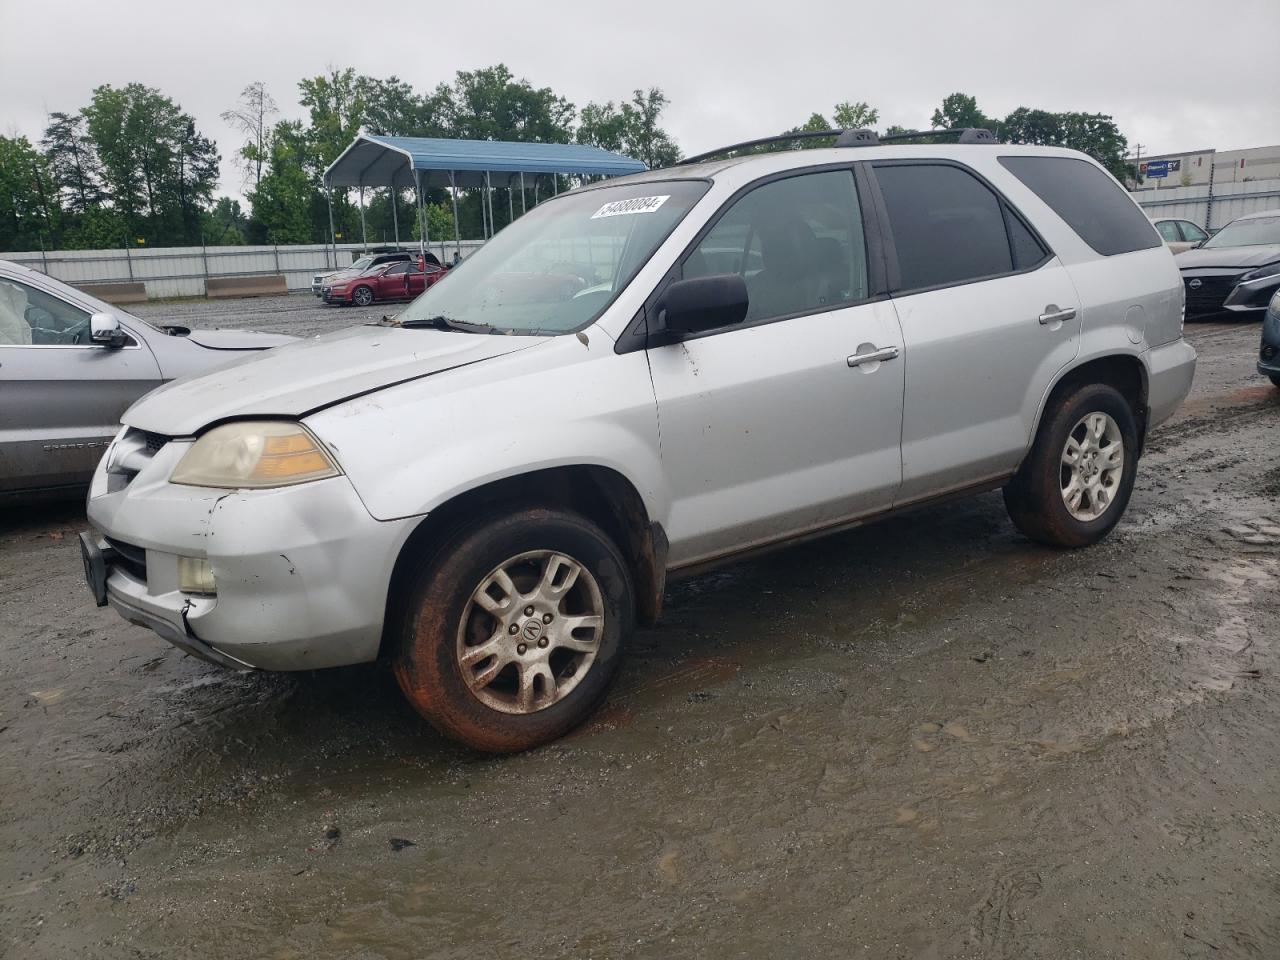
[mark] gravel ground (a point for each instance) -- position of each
(926, 738)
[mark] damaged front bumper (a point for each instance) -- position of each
(301, 572)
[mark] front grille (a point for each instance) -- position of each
(132, 559)
(1208, 297)
(155, 441)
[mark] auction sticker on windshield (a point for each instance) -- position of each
(620, 208)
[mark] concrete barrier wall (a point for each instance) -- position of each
(1228, 201)
(121, 293)
(184, 271)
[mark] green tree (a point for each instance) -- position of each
(27, 211)
(159, 171)
(225, 224)
(855, 116)
(335, 109)
(631, 128)
(490, 104)
(100, 228)
(284, 199)
(848, 116)
(73, 162)
(960, 110)
(1093, 133)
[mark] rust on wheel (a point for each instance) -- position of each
(530, 632)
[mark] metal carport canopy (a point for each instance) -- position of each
(376, 161)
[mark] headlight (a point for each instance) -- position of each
(254, 454)
(1266, 270)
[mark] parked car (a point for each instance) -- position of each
(491, 490)
(389, 281)
(1179, 235)
(358, 266)
(1236, 270)
(1269, 351)
(71, 364)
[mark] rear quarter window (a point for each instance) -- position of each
(1091, 203)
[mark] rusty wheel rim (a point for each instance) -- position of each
(1092, 466)
(530, 632)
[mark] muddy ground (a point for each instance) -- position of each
(926, 738)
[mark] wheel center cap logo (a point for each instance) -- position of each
(1194, 284)
(532, 630)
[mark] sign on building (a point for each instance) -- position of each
(1159, 169)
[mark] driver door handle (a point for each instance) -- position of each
(885, 353)
(1057, 316)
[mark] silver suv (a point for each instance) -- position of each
(640, 377)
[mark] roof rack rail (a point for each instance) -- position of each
(966, 135)
(780, 138)
(860, 137)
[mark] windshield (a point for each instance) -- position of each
(1247, 233)
(361, 263)
(558, 267)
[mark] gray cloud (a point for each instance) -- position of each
(732, 70)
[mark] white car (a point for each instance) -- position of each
(1179, 235)
(642, 377)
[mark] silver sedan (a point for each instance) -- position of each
(70, 365)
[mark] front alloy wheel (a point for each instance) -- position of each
(362, 296)
(530, 632)
(511, 630)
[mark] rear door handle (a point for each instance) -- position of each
(1057, 316)
(884, 353)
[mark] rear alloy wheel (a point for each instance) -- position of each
(514, 631)
(1092, 466)
(1075, 483)
(362, 296)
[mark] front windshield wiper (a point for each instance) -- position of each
(441, 322)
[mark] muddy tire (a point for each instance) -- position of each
(362, 296)
(1075, 483)
(513, 632)
(1275, 378)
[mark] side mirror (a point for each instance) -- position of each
(704, 303)
(104, 328)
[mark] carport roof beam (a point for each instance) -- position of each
(394, 161)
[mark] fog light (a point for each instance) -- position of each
(196, 576)
(1268, 352)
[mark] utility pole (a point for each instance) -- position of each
(1137, 164)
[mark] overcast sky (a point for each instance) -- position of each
(1176, 75)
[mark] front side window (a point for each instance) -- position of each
(1168, 230)
(1092, 204)
(31, 316)
(948, 226)
(556, 269)
(797, 242)
(1256, 231)
(1191, 232)
(395, 269)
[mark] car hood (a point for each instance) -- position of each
(1243, 257)
(238, 339)
(307, 375)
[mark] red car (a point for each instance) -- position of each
(387, 281)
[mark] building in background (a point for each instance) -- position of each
(1191, 167)
(1209, 187)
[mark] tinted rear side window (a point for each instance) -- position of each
(1091, 202)
(947, 226)
(1027, 250)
